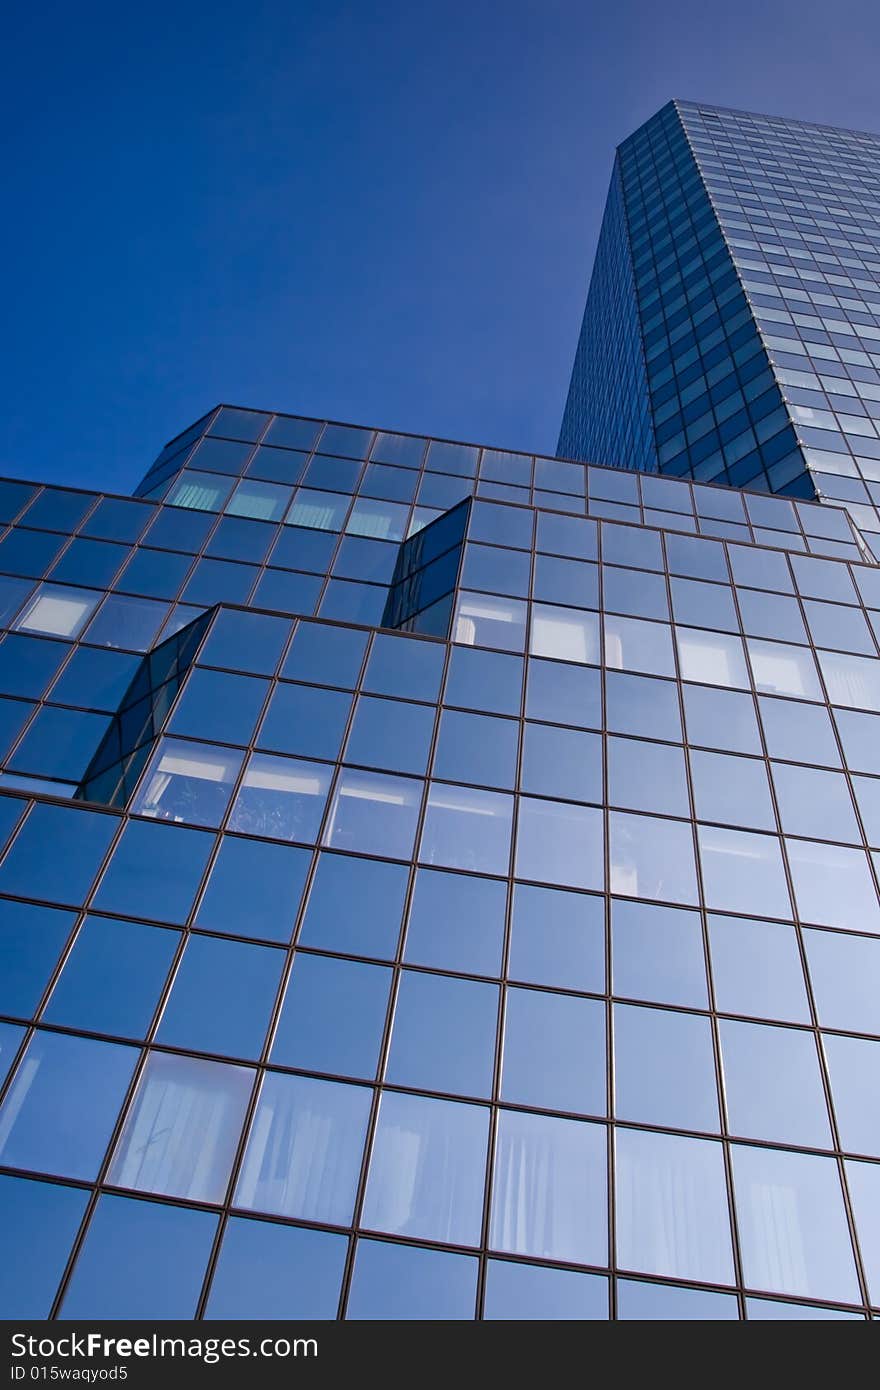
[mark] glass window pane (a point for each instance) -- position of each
(557, 938)
(298, 1124)
(792, 1224)
(864, 1187)
(268, 1271)
(560, 843)
(282, 798)
(642, 705)
(354, 905)
(373, 814)
(814, 802)
(39, 1222)
(57, 611)
(642, 1302)
(783, 670)
(333, 1016)
(743, 872)
(406, 1282)
(757, 969)
(711, 657)
(554, 1051)
(833, 886)
(561, 762)
(719, 718)
(773, 1084)
(564, 633)
(189, 782)
(31, 940)
(476, 748)
(657, 954)
(427, 1169)
(517, 1292)
(62, 1104)
(635, 645)
(467, 829)
(854, 1065)
(664, 1068)
(306, 720)
(647, 777)
(430, 1008)
(182, 1128)
(484, 681)
(549, 1195)
(652, 858)
(221, 998)
(254, 889)
(672, 1215)
(456, 922)
(390, 734)
(732, 790)
(140, 1260)
(564, 694)
(484, 621)
(113, 977)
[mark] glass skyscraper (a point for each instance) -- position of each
(439, 882)
(732, 330)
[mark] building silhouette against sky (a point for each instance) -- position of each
(442, 882)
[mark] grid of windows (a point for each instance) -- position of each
(451, 978)
(754, 244)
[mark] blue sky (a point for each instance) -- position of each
(381, 212)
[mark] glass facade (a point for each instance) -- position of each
(439, 882)
(732, 332)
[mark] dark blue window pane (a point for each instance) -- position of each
(31, 939)
(484, 680)
(216, 705)
(62, 1104)
(331, 656)
(11, 1036)
(306, 720)
(118, 519)
(355, 905)
(404, 1282)
(558, 938)
(430, 1009)
(221, 998)
(246, 642)
(390, 734)
(521, 1292)
(561, 762)
(140, 1260)
(11, 811)
(219, 581)
(333, 1016)
(564, 694)
(155, 867)
(79, 841)
(39, 1221)
(456, 922)
(642, 705)
(113, 977)
(95, 678)
(28, 552)
(93, 563)
(642, 1302)
(298, 548)
(177, 528)
(59, 743)
(287, 592)
(267, 1271)
(27, 664)
(13, 496)
(254, 889)
(129, 623)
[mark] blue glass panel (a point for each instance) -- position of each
(31, 939)
(557, 938)
(62, 1104)
(333, 1016)
(266, 1271)
(456, 922)
(657, 953)
(39, 1222)
(157, 868)
(642, 1302)
(246, 642)
(59, 743)
(355, 905)
(298, 1121)
(254, 889)
(140, 1260)
(524, 1292)
(430, 1008)
(306, 720)
(219, 706)
(79, 841)
(221, 998)
(405, 667)
(112, 978)
(403, 1282)
(95, 678)
(27, 664)
(331, 656)
(554, 1051)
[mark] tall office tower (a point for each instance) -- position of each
(443, 882)
(732, 329)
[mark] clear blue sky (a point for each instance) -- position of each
(382, 212)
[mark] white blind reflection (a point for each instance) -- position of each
(304, 1152)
